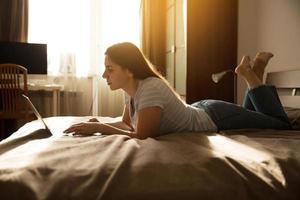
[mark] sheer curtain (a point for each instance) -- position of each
(65, 26)
(120, 21)
(77, 33)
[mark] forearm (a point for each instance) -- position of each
(110, 129)
(121, 125)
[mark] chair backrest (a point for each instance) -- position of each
(13, 83)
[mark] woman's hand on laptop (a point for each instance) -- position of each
(84, 128)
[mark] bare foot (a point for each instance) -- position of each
(260, 62)
(244, 67)
(245, 71)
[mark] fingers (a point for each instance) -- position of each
(84, 128)
(74, 128)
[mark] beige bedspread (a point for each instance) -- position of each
(244, 164)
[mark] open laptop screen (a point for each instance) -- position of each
(37, 114)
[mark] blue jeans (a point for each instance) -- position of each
(262, 109)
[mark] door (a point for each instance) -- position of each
(211, 48)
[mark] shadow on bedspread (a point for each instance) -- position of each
(176, 166)
(12, 143)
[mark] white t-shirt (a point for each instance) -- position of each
(177, 116)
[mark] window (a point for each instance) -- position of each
(77, 32)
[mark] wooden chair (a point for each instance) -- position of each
(13, 83)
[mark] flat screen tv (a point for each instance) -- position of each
(30, 55)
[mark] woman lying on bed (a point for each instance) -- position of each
(153, 108)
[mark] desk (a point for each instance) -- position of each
(54, 88)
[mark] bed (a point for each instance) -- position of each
(234, 164)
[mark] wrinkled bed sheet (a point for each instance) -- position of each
(241, 164)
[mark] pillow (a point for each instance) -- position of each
(294, 116)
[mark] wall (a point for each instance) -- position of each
(274, 26)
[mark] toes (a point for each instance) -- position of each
(245, 60)
(264, 56)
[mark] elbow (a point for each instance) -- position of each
(141, 137)
(144, 136)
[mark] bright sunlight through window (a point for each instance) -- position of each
(68, 27)
(120, 21)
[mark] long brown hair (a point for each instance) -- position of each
(129, 56)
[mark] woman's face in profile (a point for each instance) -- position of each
(116, 76)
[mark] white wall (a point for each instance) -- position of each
(269, 25)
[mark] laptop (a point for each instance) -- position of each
(37, 114)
